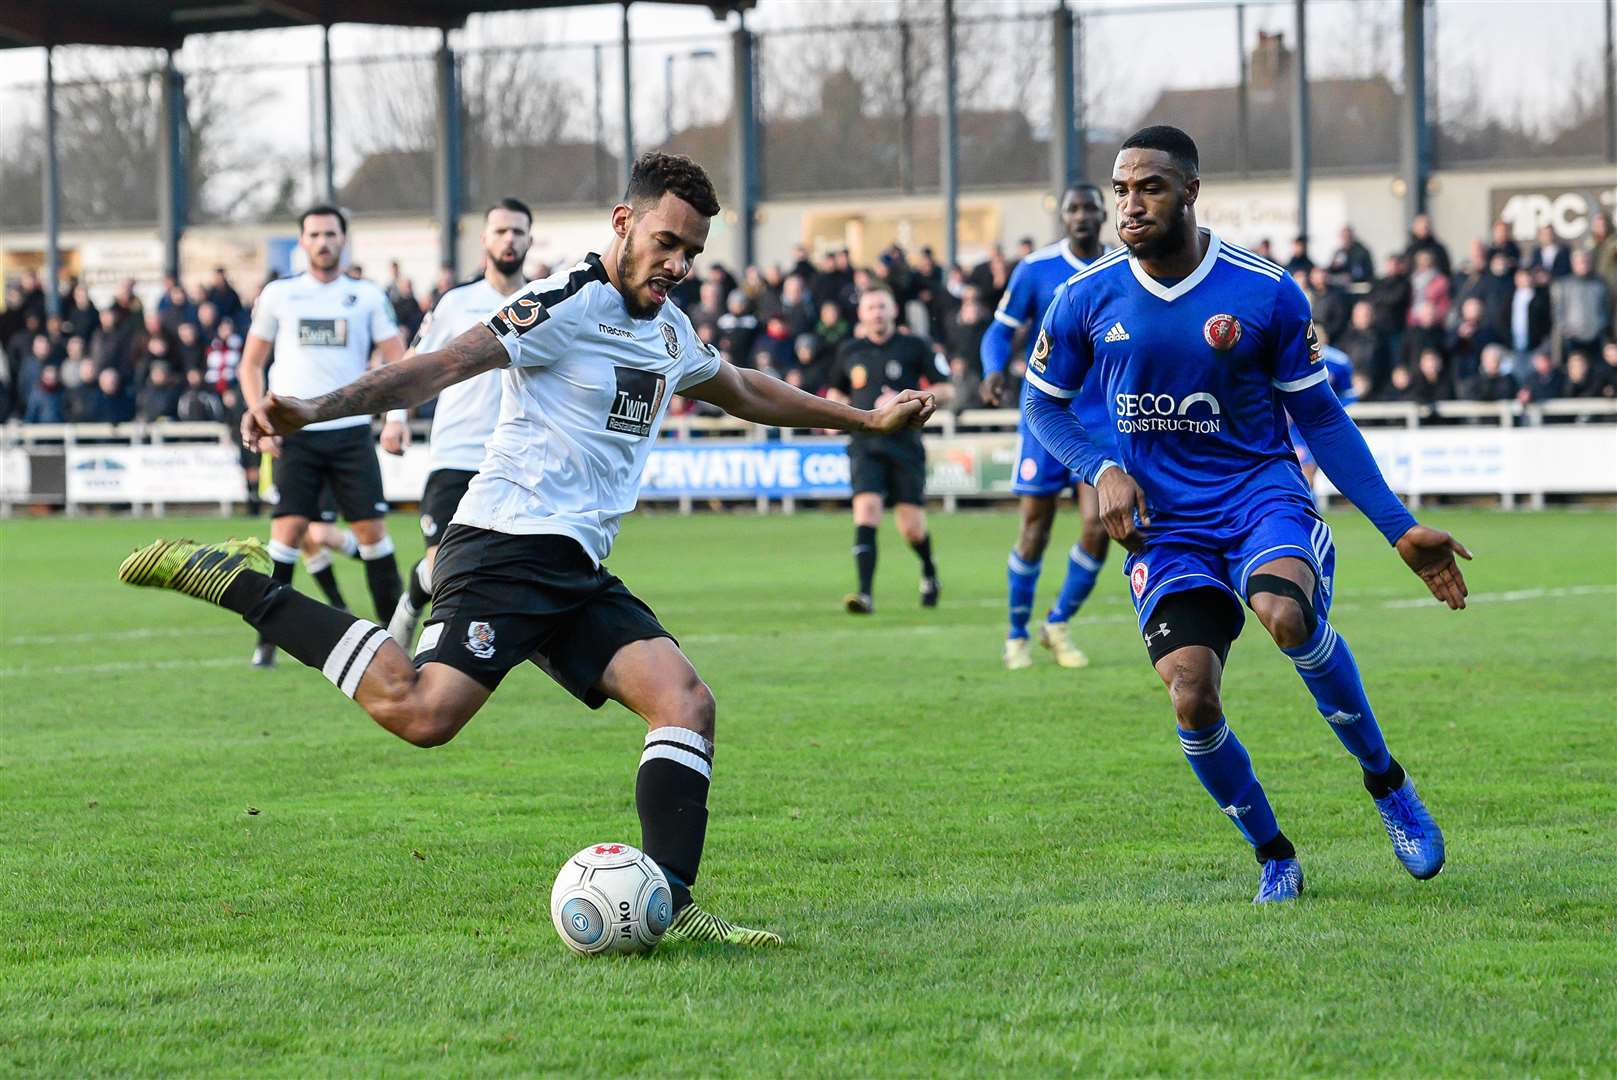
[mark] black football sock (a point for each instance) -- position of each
(671, 794)
(864, 555)
(283, 564)
(382, 575)
(923, 551)
(319, 567)
(333, 642)
(1380, 785)
(1278, 848)
(420, 585)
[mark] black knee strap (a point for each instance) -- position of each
(1273, 583)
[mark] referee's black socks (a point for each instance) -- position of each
(382, 576)
(864, 555)
(923, 551)
(333, 642)
(670, 792)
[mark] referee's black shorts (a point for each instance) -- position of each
(893, 467)
(440, 500)
(343, 459)
(499, 599)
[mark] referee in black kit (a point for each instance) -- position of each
(872, 367)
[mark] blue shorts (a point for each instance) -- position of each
(1180, 559)
(1039, 472)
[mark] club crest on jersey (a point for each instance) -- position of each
(1222, 332)
(480, 640)
(636, 401)
(671, 340)
(1041, 352)
(350, 299)
(1137, 578)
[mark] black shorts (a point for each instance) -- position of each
(1204, 616)
(345, 459)
(439, 501)
(499, 599)
(894, 468)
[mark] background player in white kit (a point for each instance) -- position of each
(323, 327)
(593, 355)
(464, 419)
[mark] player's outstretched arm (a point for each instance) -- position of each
(1342, 453)
(762, 399)
(392, 386)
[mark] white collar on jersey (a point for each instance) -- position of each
(1171, 293)
(1072, 260)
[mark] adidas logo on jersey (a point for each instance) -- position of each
(1116, 333)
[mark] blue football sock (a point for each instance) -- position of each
(1022, 579)
(1082, 569)
(1221, 763)
(1326, 665)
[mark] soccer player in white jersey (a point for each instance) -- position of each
(463, 421)
(592, 356)
(323, 327)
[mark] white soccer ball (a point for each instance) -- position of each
(611, 898)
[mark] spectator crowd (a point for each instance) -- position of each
(1505, 322)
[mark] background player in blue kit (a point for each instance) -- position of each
(1040, 477)
(1202, 349)
(1339, 368)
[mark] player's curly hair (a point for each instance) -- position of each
(656, 174)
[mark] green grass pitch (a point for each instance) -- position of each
(210, 870)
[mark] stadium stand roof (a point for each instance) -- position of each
(164, 24)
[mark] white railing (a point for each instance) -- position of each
(1507, 450)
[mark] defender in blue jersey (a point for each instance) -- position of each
(1202, 349)
(1040, 477)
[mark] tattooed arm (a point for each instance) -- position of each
(392, 386)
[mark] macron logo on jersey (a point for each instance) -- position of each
(1116, 333)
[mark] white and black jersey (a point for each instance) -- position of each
(466, 412)
(582, 402)
(323, 333)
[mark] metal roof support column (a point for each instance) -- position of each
(448, 161)
(52, 202)
(949, 165)
(1414, 159)
(745, 148)
(1066, 154)
(171, 156)
(325, 89)
(626, 167)
(1301, 130)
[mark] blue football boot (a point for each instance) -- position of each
(1416, 839)
(1282, 880)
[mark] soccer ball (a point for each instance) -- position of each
(611, 898)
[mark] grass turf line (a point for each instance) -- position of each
(976, 871)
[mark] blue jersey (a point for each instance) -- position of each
(1191, 374)
(1033, 285)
